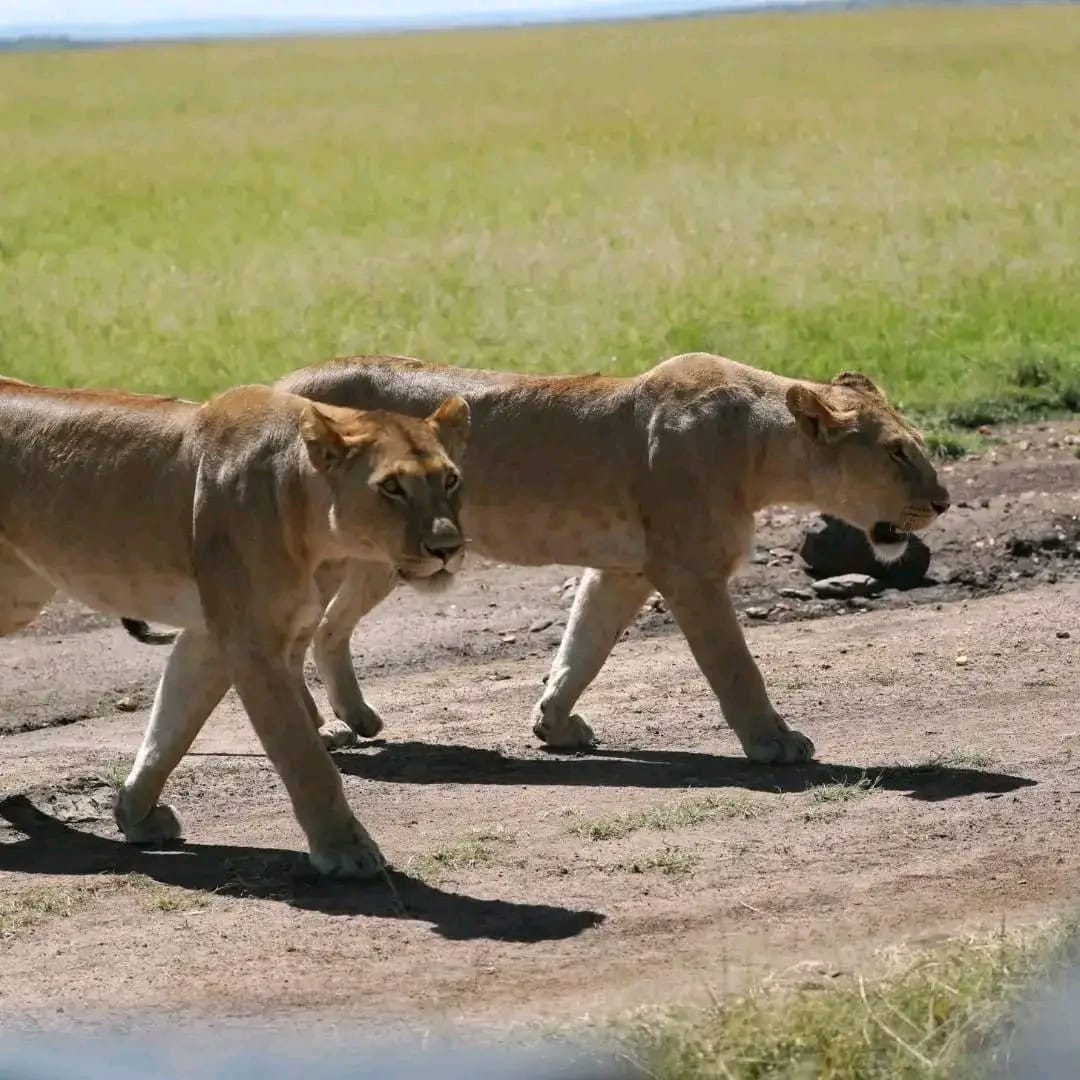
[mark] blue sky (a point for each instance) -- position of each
(58, 14)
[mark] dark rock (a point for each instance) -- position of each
(832, 547)
(845, 586)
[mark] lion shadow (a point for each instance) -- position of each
(50, 846)
(441, 763)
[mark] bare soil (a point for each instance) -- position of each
(944, 798)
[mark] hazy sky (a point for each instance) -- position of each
(57, 13)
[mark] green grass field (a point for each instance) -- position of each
(892, 190)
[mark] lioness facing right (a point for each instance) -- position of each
(219, 519)
(652, 482)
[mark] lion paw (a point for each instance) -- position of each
(783, 748)
(355, 857)
(160, 826)
(336, 735)
(363, 720)
(569, 732)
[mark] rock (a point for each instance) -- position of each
(127, 704)
(757, 612)
(961, 661)
(539, 624)
(845, 586)
(797, 594)
(1063, 634)
(831, 547)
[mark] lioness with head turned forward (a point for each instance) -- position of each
(652, 482)
(219, 519)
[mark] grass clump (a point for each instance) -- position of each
(677, 815)
(843, 791)
(961, 758)
(934, 1016)
(23, 909)
(477, 849)
(669, 861)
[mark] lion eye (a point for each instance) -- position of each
(391, 488)
(453, 482)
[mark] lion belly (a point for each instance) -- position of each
(157, 596)
(550, 533)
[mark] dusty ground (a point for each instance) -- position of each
(945, 797)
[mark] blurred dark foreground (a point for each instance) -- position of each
(236, 1056)
(1040, 1041)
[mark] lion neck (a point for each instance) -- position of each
(781, 469)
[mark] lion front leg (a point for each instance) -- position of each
(334, 734)
(604, 604)
(267, 684)
(702, 607)
(349, 595)
(194, 681)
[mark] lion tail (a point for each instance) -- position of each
(141, 631)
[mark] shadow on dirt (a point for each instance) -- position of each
(52, 847)
(426, 763)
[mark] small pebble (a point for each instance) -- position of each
(961, 661)
(1063, 634)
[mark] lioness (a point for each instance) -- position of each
(218, 519)
(652, 482)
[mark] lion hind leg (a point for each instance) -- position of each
(194, 681)
(23, 592)
(604, 604)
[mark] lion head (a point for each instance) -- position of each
(395, 490)
(869, 466)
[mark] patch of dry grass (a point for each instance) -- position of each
(934, 1014)
(670, 816)
(477, 849)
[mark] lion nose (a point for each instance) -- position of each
(940, 507)
(444, 542)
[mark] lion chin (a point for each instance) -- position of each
(431, 584)
(889, 542)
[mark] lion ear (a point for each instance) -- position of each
(450, 422)
(856, 380)
(817, 419)
(325, 446)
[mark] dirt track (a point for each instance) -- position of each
(945, 797)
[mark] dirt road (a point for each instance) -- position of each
(537, 887)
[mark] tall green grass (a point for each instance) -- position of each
(891, 190)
